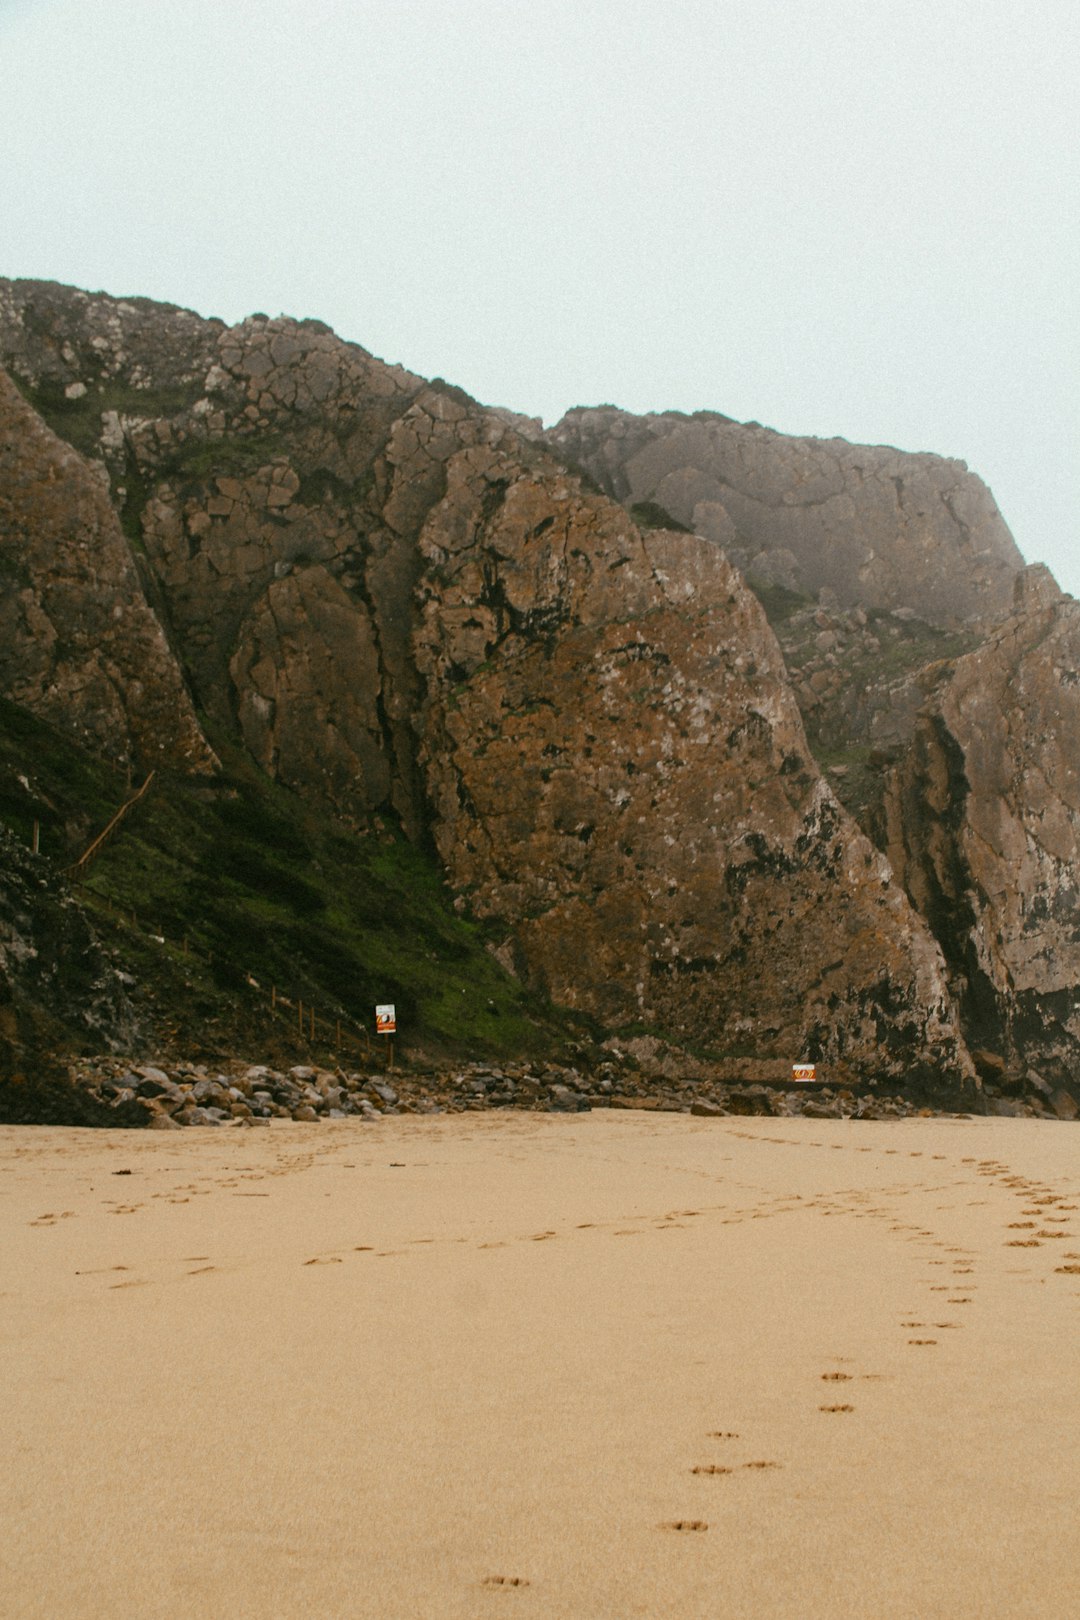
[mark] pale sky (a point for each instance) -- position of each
(837, 217)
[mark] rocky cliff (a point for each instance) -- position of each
(78, 641)
(876, 527)
(407, 607)
(983, 828)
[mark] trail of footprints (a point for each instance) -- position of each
(1043, 1219)
(1044, 1226)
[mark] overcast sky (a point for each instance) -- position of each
(836, 217)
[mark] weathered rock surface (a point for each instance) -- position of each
(878, 527)
(983, 826)
(79, 644)
(618, 771)
(405, 605)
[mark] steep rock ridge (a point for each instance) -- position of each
(983, 827)
(79, 644)
(877, 527)
(618, 772)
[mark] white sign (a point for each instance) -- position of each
(385, 1020)
(803, 1071)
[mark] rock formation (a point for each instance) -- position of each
(983, 827)
(79, 644)
(407, 606)
(875, 526)
(618, 773)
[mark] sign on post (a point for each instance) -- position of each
(803, 1071)
(386, 1024)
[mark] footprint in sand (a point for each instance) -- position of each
(1072, 1271)
(836, 1408)
(763, 1465)
(711, 1468)
(324, 1260)
(836, 1377)
(504, 1580)
(685, 1524)
(722, 1434)
(922, 1341)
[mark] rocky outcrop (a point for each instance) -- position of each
(876, 527)
(275, 477)
(405, 606)
(983, 827)
(618, 773)
(79, 644)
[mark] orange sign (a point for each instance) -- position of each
(385, 1020)
(803, 1071)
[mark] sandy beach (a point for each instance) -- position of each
(514, 1364)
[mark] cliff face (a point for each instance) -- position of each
(983, 821)
(618, 772)
(79, 644)
(407, 606)
(877, 527)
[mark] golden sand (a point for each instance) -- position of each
(592, 1366)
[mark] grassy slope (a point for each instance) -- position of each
(214, 895)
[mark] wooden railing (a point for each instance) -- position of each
(78, 868)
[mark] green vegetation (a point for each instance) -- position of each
(78, 421)
(216, 896)
(650, 515)
(198, 460)
(779, 602)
